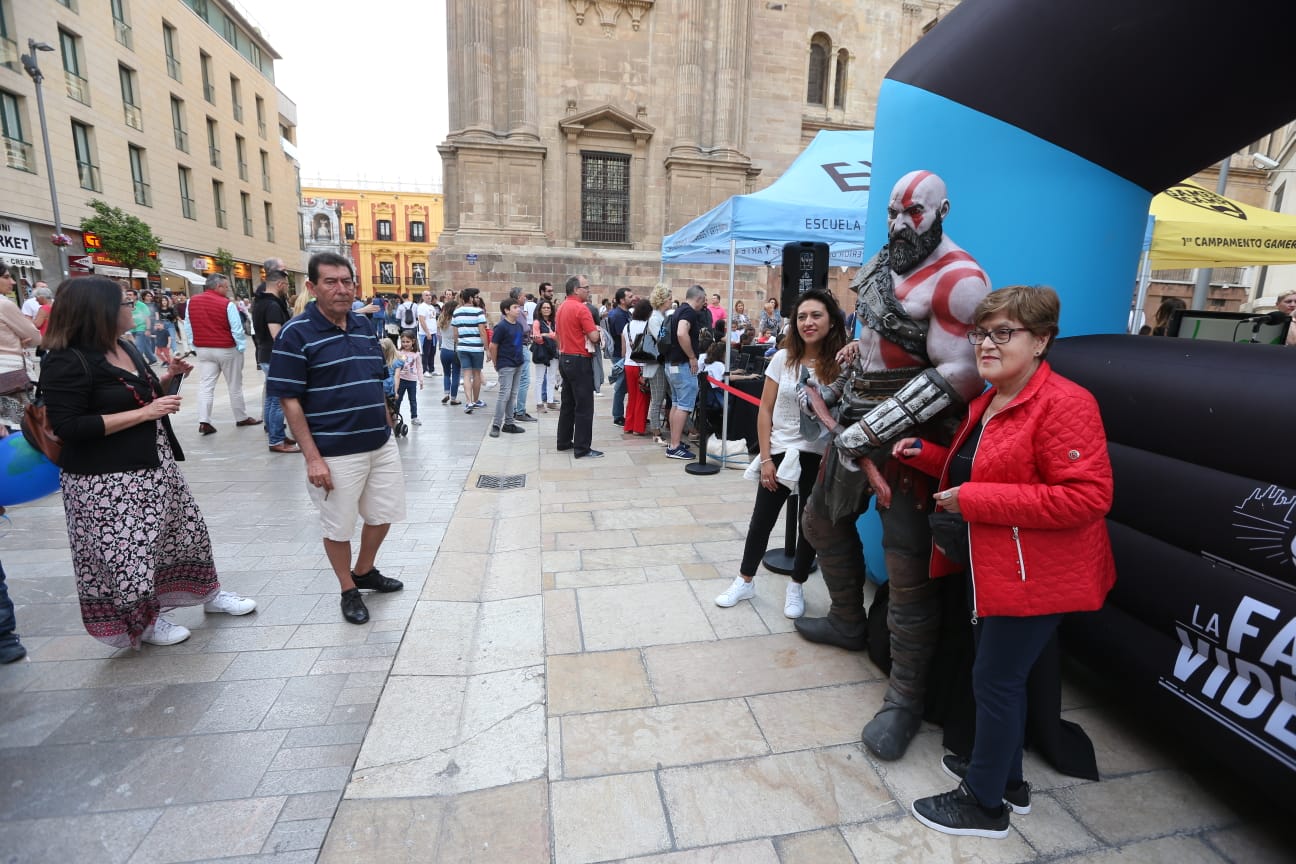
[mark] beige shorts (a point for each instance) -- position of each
(371, 485)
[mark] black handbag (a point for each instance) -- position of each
(950, 534)
(541, 350)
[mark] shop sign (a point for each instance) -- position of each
(203, 264)
(15, 238)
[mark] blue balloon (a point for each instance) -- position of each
(25, 473)
(869, 528)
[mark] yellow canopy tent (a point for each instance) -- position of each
(1195, 227)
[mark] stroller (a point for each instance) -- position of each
(399, 426)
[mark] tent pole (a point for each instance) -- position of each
(1140, 296)
(728, 348)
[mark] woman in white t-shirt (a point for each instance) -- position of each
(819, 333)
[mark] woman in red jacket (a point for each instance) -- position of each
(1028, 471)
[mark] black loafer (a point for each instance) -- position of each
(375, 581)
(353, 607)
(826, 631)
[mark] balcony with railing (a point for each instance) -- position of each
(88, 173)
(143, 194)
(122, 31)
(265, 182)
(187, 207)
(78, 88)
(209, 92)
(9, 56)
(261, 128)
(247, 225)
(220, 218)
(134, 116)
(19, 154)
(213, 156)
(238, 111)
(182, 140)
(269, 232)
(173, 68)
(243, 170)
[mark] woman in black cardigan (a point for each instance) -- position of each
(139, 543)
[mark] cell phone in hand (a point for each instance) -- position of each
(173, 386)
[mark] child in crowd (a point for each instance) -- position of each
(505, 351)
(410, 377)
(391, 362)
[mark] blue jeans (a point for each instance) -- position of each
(619, 394)
(450, 372)
(1006, 649)
(523, 383)
(8, 638)
(403, 388)
(144, 345)
(273, 414)
(427, 346)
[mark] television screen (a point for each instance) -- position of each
(1229, 326)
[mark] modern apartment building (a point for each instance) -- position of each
(165, 108)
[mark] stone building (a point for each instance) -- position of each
(583, 132)
(165, 108)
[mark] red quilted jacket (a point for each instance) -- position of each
(1035, 506)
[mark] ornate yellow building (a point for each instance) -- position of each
(387, 235)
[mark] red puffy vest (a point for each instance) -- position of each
(209, 318)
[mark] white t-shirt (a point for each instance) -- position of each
(528, 314)
(400, 315)
(785, 429)
(31, 306)
(630, 334)
(428, 313)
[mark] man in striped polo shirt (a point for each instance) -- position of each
(327, 370)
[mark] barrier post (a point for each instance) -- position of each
(704, 429)
(784, 560)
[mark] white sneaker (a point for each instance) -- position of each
(741, 589)
(163, 632)
(416, 421)
(230, 604)
(794, 605)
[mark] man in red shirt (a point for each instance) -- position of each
(576, 330)
(217, 335)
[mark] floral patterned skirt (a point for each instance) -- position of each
(139, 546)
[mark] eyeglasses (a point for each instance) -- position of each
(334, 283)
(999, 335)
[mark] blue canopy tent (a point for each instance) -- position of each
(822, 197)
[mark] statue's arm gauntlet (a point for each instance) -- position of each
(920, 400)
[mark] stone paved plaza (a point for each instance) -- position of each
(553, 684)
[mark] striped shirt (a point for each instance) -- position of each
(338, 377)
(465, 321)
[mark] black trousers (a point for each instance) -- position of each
(576, 416)
(769, 503)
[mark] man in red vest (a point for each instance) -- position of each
(216, 333)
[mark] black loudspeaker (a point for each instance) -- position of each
(805, 266)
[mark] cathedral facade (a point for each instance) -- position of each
(584, 131)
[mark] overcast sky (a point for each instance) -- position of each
(369, 80)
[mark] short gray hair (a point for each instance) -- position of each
(44, 291)
(695, 292)
(213, 280)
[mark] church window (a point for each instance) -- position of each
(817, 76)
(605, 197)
(839, 84)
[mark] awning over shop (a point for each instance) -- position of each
(20, 260)
(118, 272)
(1199, 228)
(188, 275)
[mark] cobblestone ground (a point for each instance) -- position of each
(553, 684)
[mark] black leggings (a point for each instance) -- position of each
(769, 503)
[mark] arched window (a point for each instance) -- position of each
(839, 86)
(817, 79)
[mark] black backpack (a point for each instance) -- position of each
(666, 336)
(409, 318)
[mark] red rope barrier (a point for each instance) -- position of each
(740, 394)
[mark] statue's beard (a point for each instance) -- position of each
(909, 248)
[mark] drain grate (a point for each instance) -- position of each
(501, 481)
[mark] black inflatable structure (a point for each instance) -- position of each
(1201, 625)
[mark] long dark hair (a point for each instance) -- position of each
(826, 367)
(86, 315)
(548, 319)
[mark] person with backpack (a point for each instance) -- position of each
(658, 386)
(685, 330)
(407, 316)
(639, 350)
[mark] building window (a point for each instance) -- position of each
(130, 101)
(236, 98)
(209, 88)
(68, 4)
(139, 176)
(8, 47)
(186, 199)
(169, 46)
(78, 87)
(265, 171)
(240, 150)
(349, 230)
(261, 121)
(417, 232)
(418, 271)
(384, 229)
(817, 76)
(178, 124)
(386, 273)
(213, 143)
(839, 82)
(18, 150)
(605, 197)
(121, 29)
(245, 200)
(218, 201)
(269, 220)
(83, 143)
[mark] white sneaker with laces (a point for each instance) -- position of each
(230, 604)
(163, 632)
(416, 421)
(741, 589)
(794, 605)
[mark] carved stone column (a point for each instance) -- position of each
(478, 90)
(523, 70)
(730, 41)
(690, 78)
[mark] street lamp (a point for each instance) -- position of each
(33, 69)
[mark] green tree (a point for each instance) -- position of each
(126, 239)
(224, 261)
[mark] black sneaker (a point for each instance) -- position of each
(495, 430)
(524, 418)
(1016, 797)
(618, 421)
(960, 813)
(512, 428)
(590, 454)
(375, 581)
